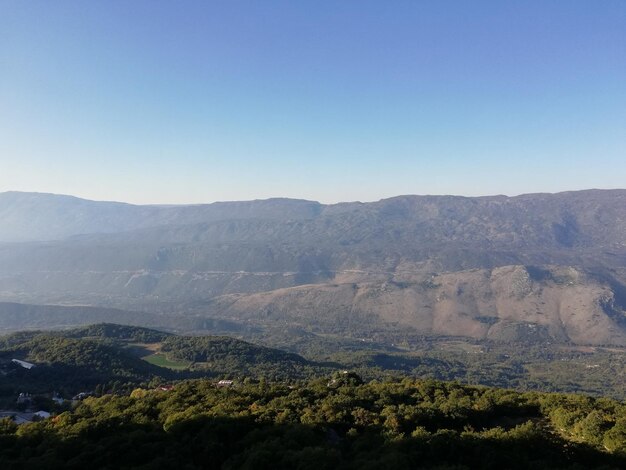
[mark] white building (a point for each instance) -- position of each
(24, 364)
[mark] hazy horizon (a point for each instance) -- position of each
(309, 200)
(150, 102)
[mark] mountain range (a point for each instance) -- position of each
(536, 267)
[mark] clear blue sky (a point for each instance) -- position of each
(163, 101)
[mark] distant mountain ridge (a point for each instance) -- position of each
(255, 261)
(45, 217)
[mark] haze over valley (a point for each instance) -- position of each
(537, 267)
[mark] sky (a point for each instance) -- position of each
(202, 101)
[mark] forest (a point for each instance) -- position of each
(279, 410)
(335, 422)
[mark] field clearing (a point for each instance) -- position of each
(142, 350)
(159, 359)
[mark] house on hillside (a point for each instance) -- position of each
(225, 383)
(24, 399)
(81, 396)
(19, 417)
(24, 364)
(58, 399)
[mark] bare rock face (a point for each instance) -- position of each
(504, 304)
(537, 267)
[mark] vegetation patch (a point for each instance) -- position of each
(335, 422)
(161, 360)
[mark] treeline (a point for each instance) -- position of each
(331, 423)
(119, 332)
(235, 358)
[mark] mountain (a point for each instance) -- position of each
(44, 217)
(533, 267)
(509, 303)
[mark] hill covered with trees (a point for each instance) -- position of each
(331, 423)
(69, 365)
(108, 357)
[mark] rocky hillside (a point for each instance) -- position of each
(509, 303)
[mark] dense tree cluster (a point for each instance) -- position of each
(235, 358)
(70, 365)
(108, 358)
(331, 423)
(120, 332)
(600, 372)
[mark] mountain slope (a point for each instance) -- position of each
(273, 254)
(511, 303)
